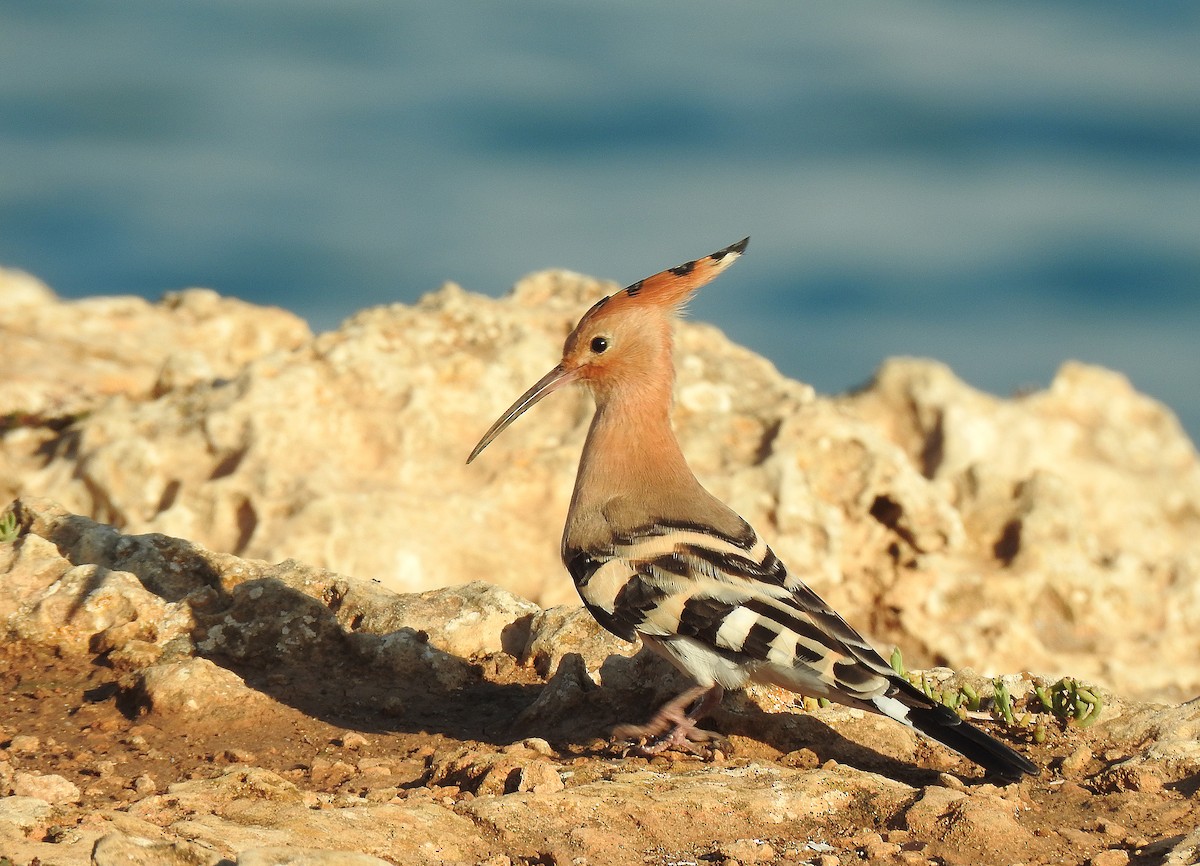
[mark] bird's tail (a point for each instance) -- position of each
(945, 726)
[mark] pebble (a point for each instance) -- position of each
(1111, 857)
(880, 850)
(1075, 763)
(25, 744)
(384, 795)
(53, 789)
(1112, 828)
(1130, 777)
(747, 851)
(374, 769)
(538, 745)
(540, 777)
(801, 759)
(329, 773)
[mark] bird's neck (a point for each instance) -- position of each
(631, 445)
(632, 472)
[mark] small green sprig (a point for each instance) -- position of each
(1002, 701)
(962, 699)
(9, 528)
(1071, 701)
(1068, 700)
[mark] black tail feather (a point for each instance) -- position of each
(969, 741)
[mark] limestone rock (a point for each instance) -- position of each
(51, 788)
(466, 621)
(1080, 505)
(411, 657)
(1186, 852)
(516, 768)
(498, 760)
(752, 801)
(88, 602)
(564, 695)
(971, 826)
(569, 629)
(66, 357)
(196, 686)
(306, 857)
(1057, 531)
(1166, 735)
(376, 418)
(23, 813)
(118, 849)
(30, 567)
(71, 582)
(255, 812)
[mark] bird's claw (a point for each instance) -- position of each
(644, 741)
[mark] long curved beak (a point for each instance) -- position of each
(552, 381)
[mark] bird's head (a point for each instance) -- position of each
(625, 339)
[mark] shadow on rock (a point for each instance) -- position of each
(209, 638)
(190, 629)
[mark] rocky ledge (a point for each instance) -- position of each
(171, 705)
(385, 690)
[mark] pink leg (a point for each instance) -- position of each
(671, 728)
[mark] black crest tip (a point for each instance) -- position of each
(733, 249)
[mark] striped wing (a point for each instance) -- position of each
(717, 603)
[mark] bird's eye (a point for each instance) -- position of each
(599, 344)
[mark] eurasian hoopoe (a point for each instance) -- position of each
(654, 554)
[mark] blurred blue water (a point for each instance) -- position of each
(999, 185)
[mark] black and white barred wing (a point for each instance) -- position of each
(726, 610)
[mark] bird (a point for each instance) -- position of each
(655, 556)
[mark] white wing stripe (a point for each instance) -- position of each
(605, 583)
(733, 631)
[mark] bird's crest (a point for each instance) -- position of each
(671, 289)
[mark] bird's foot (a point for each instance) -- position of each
(684, 737)
(673, 729)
